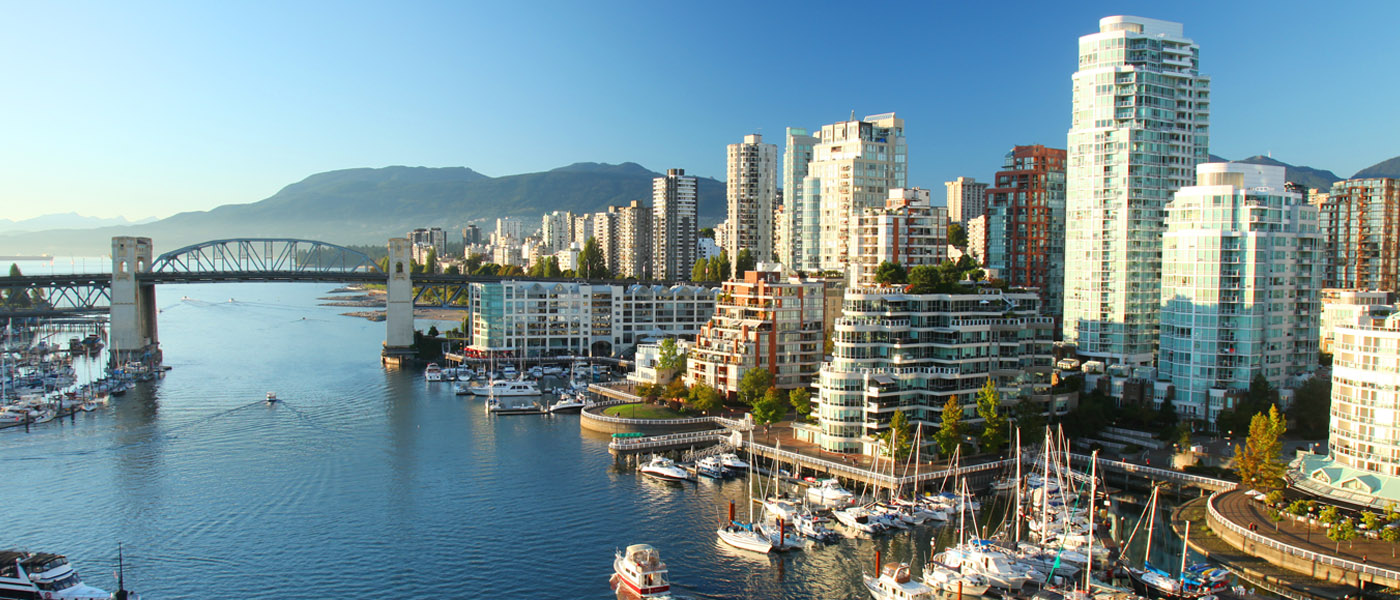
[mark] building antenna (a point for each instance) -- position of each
(853, 114)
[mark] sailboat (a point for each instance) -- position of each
(743, 535)
(1195, 581)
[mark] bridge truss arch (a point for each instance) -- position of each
(265, 255)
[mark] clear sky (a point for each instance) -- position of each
(141, 109)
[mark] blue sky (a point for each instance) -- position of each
(139, 108)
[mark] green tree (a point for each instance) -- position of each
(1166, 415)
(487, 269)
(744, 263)
(699, 272)
(1328, 515)
(993, 422)
(801, 401)
(957, 235)
(453, 270)
(16, 296)
(1344, 531)
(891, 273)
(708, 232)
(1370, 520)
(705, 398)
(676, 389)
(769, 409)
(648, 391)
(949, 434)
(1275, 515)
(433, 331)
(511, 271)
(591, 263)
(670, 355)
(1029, 417)
(546, 267)
(753, 384)
(1297, 508)
(431, 263)
(472, 262)
(719, 266)
(1273, 498)
(1311, 408)
(1392, 535)
(1260, 464)
(898, 439)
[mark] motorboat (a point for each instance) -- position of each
(665, 469)
(894, 583)
(1151, 582)
(814, 527)
(568, 404)
(639, 569)
(496, 407)
(1001, 571)
(944, 578)
(859, 519)
(433, 372)
(271, 397)
(711, 467)
(781, 535)
(463, 388)
(506, 387)
(744, 537)
(44, 575)
(732, 461)
(829, 491)
(782, 508)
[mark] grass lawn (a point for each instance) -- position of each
(642, 411)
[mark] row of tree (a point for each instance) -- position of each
(717, 268)
(17, 297)
(944, 278)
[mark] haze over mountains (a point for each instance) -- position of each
(368, 206)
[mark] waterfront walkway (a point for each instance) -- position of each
(1240, 509)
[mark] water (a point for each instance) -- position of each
(362, 482)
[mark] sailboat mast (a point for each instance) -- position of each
(1093, 499)
(1151, 521)
(1016, 519)
(1185, 547)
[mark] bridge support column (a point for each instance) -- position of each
(398, 324)
(134, 333)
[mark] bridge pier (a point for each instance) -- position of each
(398, 322)
(133, 313)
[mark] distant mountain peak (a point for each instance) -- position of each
(1386, 168)
(627, 168)
(1304, 176)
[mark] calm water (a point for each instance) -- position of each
(363, 482)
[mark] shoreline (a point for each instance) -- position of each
(375, 299)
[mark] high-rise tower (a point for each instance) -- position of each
(673, 220)
(857, 163)
(803, 217)
(752, 182)
(1138, 130)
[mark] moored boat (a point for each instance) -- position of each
(505, 387)
(433, 372)
(894, 583)
(35, 575)
(665, 469)
(829, 491)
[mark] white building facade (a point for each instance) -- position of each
(1139, 128)
(856, 164)
(752, 190)
(1241, 280)
(912, 352)
(967, 199)
(907, 231)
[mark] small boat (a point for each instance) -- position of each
(496, 407)
(894, 583)
(44, 575)
(433, 372)
(781, 535)
(731, 460)
(664, 469)
(859, 519)
(711, 467)
(946, 579)
(271, 397)
(829, 491)
(744, 537)
(814, 527)
(640, 570)
(568, 404)
(503, 387)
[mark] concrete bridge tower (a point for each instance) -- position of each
(133, 324)
(398, 330)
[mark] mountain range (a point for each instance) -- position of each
(371, 205)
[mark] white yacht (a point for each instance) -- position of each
(502, 387)
(744, 537)
(946, 579)
(664, 469)
(859, 519)
(44, 575)
(433, 372)
(731, 460)
(894, 583)
(829, 491)
(1000, 570)
(568, 403)
(814, 527)
(640, 570)
(782, 508)
(710, 466)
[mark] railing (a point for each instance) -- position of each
(631, 421)
(1160, 474)
(1307, 555)
(878, 478)
(670, 439)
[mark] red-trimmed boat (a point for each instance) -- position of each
(640, 570)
